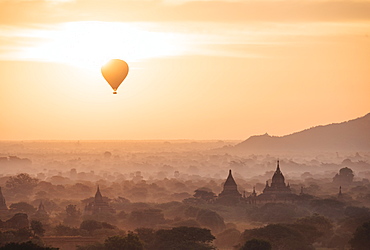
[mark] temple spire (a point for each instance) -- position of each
(41, 206)
(98, 205)
(230, 193)
(98, 196)
(254, 194)
(230, 180)
(340, 195)
(278, 167)
(41, 209)
(2, 201)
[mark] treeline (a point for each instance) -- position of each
(313, 220)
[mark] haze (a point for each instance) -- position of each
(198, 69)
(153, 187)
(241, 125)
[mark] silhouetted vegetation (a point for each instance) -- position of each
(361, 237)
(181, 238)
(344, 177)
(256, 244)
(25, 246)
(165, 194)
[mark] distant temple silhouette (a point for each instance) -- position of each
(277, 184)
(3, 206)
(278, 191)
(340, 194)
(98, 205)
(230, 187)
(41, 210)
(41, 214)
(230, 194)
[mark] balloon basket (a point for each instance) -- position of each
(115, 92)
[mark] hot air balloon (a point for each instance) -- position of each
(114, 72)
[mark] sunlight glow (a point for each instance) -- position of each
(91, 44)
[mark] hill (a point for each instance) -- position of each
(353, 135)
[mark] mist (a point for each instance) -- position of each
(160, 185)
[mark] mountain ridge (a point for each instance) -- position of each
(351, 135)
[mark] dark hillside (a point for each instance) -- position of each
(353, 135)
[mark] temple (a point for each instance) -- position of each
(3, 206)
(340, 194)
(98, 205)
(41, 210)
(278, 191)
(41, 214)
(277, 184)
(230, 194)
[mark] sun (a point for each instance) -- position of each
(91, 44)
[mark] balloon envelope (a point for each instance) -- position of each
(114, 72)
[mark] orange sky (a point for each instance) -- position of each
(198, 69)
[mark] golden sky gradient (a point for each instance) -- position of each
(198, 69)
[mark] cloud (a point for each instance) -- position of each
(31, 12)
(139, 40)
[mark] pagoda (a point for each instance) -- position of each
(99, 205)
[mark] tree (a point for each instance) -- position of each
(22, 183)
(15, 236)
(7, 237)
(22, 207)
(107, 230)
(93, 225)
(22, 234)
(204, 194)
(73, 215)
(122, 215)
(211, 219)
(94, 246)
(322, 225)
(146, 235)
(62, 230)
(37, 228)
(256, 244)
(101, 216)
(355, 217)
(330, 208)
(146, 217)
(311, 234)
(19, 221)
(361, 238)
(183, 238)
(228, 238)
(346, 172)
(186, 223)
(90, 225)
(25, 246)
(339, 240)
(191, 212)
(281, 236)
(107, 225)
(352, 211)
(276, 213)
(72, 211)
(130, 242)
(344, 177)
(107, 154)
